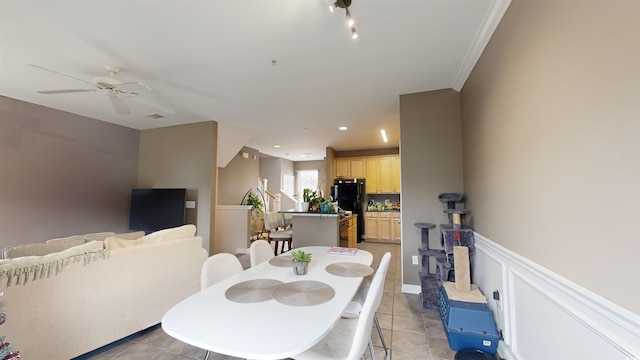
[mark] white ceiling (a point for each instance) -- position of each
(214, 60)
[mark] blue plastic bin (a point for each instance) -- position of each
(468, 325)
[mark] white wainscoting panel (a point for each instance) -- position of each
(545, 316)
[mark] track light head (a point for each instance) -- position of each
(344, 4)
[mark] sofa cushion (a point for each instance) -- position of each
(74, 240)
(39, 249)
(130, 235)
(100, 236)
(117, 242)
(20, 269)
(114, 242)
(180, 232)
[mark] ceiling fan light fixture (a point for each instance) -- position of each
(354, 33)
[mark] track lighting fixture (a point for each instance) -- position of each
(344, 4)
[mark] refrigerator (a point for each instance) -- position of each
(349, 194)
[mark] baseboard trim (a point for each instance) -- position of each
(411, 289)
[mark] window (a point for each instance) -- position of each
(288, 182)
(307, 179)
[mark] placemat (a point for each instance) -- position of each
(349, 269)
(282, 261)
(304, 293)
(252, 291)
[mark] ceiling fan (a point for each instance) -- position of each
(114, 89)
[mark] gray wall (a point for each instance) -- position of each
(184, 156)
(62, 174)
(240, 175)
(551, 119)
(431, 164)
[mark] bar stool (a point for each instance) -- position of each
(273, 221)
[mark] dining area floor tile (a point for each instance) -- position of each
(408, 332)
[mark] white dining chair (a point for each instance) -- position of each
(349, 337)
(260, 251)
(355, 307)
(217, 268)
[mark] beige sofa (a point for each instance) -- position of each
(63, 304)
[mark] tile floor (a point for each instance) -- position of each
(408, 332)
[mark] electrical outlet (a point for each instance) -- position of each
(414, 259)
(496, 295)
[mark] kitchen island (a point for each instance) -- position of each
(316, 229)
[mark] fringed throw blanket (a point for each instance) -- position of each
(19, 271)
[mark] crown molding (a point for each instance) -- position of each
(489, 25)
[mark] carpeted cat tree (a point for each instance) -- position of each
(438, 264)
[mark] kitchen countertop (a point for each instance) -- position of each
(379, 211)
(306, 213)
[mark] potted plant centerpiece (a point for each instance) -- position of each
(300, 261)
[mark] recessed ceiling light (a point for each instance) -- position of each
(343, 128)
(276, 146)
(384, 135)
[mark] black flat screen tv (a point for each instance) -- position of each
(155, 209)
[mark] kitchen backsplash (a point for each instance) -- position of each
(393, 198)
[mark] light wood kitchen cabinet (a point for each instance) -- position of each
(350, 168)
(395, 174)
(382, 227)
(358, 168)
(353, 233)
(383, 175)
(342, 168)
(372, 176)
(396, 228)
(349, 232)
(371, 226)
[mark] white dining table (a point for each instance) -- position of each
(269, 329)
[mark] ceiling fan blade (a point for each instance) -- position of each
(119, 105)
(154, 104)
(137, 83)
(64, 91)
(59, 73)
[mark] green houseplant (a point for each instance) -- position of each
(255, 202)
(300, 261)
(307, 197)
(257, 209)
